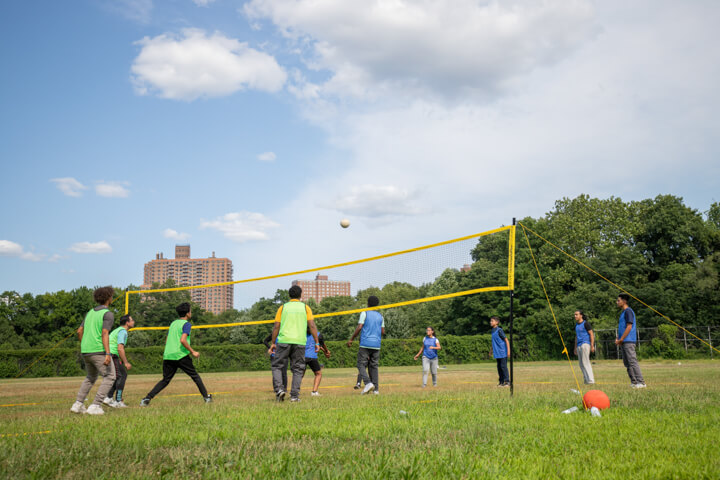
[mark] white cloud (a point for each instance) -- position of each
(12, 249)
(377, 201)
(175, 235)
(69, 186)
(90, 247)
(203, 3)
(267, 157)
(241, 226)
(446, 49)
(55, 258)
(197, 65)
(112, 189)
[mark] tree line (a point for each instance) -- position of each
(659, 249)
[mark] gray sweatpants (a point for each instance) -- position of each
(94, 367)
(631, 363)
(584, 359)
(429, 365)
(295, 354)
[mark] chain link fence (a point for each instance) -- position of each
(665, 341)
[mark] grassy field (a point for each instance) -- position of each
(464, 428)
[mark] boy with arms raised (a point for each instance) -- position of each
(94, 335)
(177, 355)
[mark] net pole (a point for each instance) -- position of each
(512, 295)
(127, 301)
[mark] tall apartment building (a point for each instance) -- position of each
(321, 287)
(186, 271)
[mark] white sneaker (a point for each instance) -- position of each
(78, 407)
(376, 392)
(367, 388)
(108, 401)
(95, 410)
(113, 404)
(639, 385)
(314, 394)
(120, 404)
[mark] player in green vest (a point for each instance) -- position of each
(118, 340)
(292, 322)
(178, 355)
(94, 335)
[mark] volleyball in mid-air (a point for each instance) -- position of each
(344, 223)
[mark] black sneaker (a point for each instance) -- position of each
(357, 386)
(145, 402)
(280, 396)
(209, 398)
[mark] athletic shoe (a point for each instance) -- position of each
(368, 387)
(108, 401)
(376, 392)
(280, 396)
(145, 402)
(78, 407)
(294, 399)
(95, 410)
(314, 394)
(504, 385)
(357, 386)
(424, 386)
(639, 385)
(113, 404)
(209, 398)
(120, 404)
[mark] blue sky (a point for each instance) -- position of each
(250, 128)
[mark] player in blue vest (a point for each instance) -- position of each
(627, 338)
(584, 345)
(371, 328)
(311, 360)
(429, 352)
(501, 351)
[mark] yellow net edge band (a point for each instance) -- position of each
(504, 288)
(328, 267)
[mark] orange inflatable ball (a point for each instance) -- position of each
(596, 398)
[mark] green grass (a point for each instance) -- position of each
(465, 428)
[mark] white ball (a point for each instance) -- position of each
(345, 223)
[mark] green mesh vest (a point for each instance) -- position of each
(293, 324)
(113, 340)
(92, 332)
(174, 350)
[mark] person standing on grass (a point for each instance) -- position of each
(311, 360)
(292, 321)
(429, 352)
(501, 351)
(118, 340)
(584, 345)
(94, 335)
(178, 355)
(371, 327)
(266, 341)
(627, 338)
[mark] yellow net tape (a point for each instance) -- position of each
(509, 286)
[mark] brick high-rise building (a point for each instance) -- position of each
(321, 287)
(186, 271)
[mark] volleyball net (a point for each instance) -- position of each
(407, 277)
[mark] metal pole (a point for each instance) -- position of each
(685, 339)
(512, 347)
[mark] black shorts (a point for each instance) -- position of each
(313, 364)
